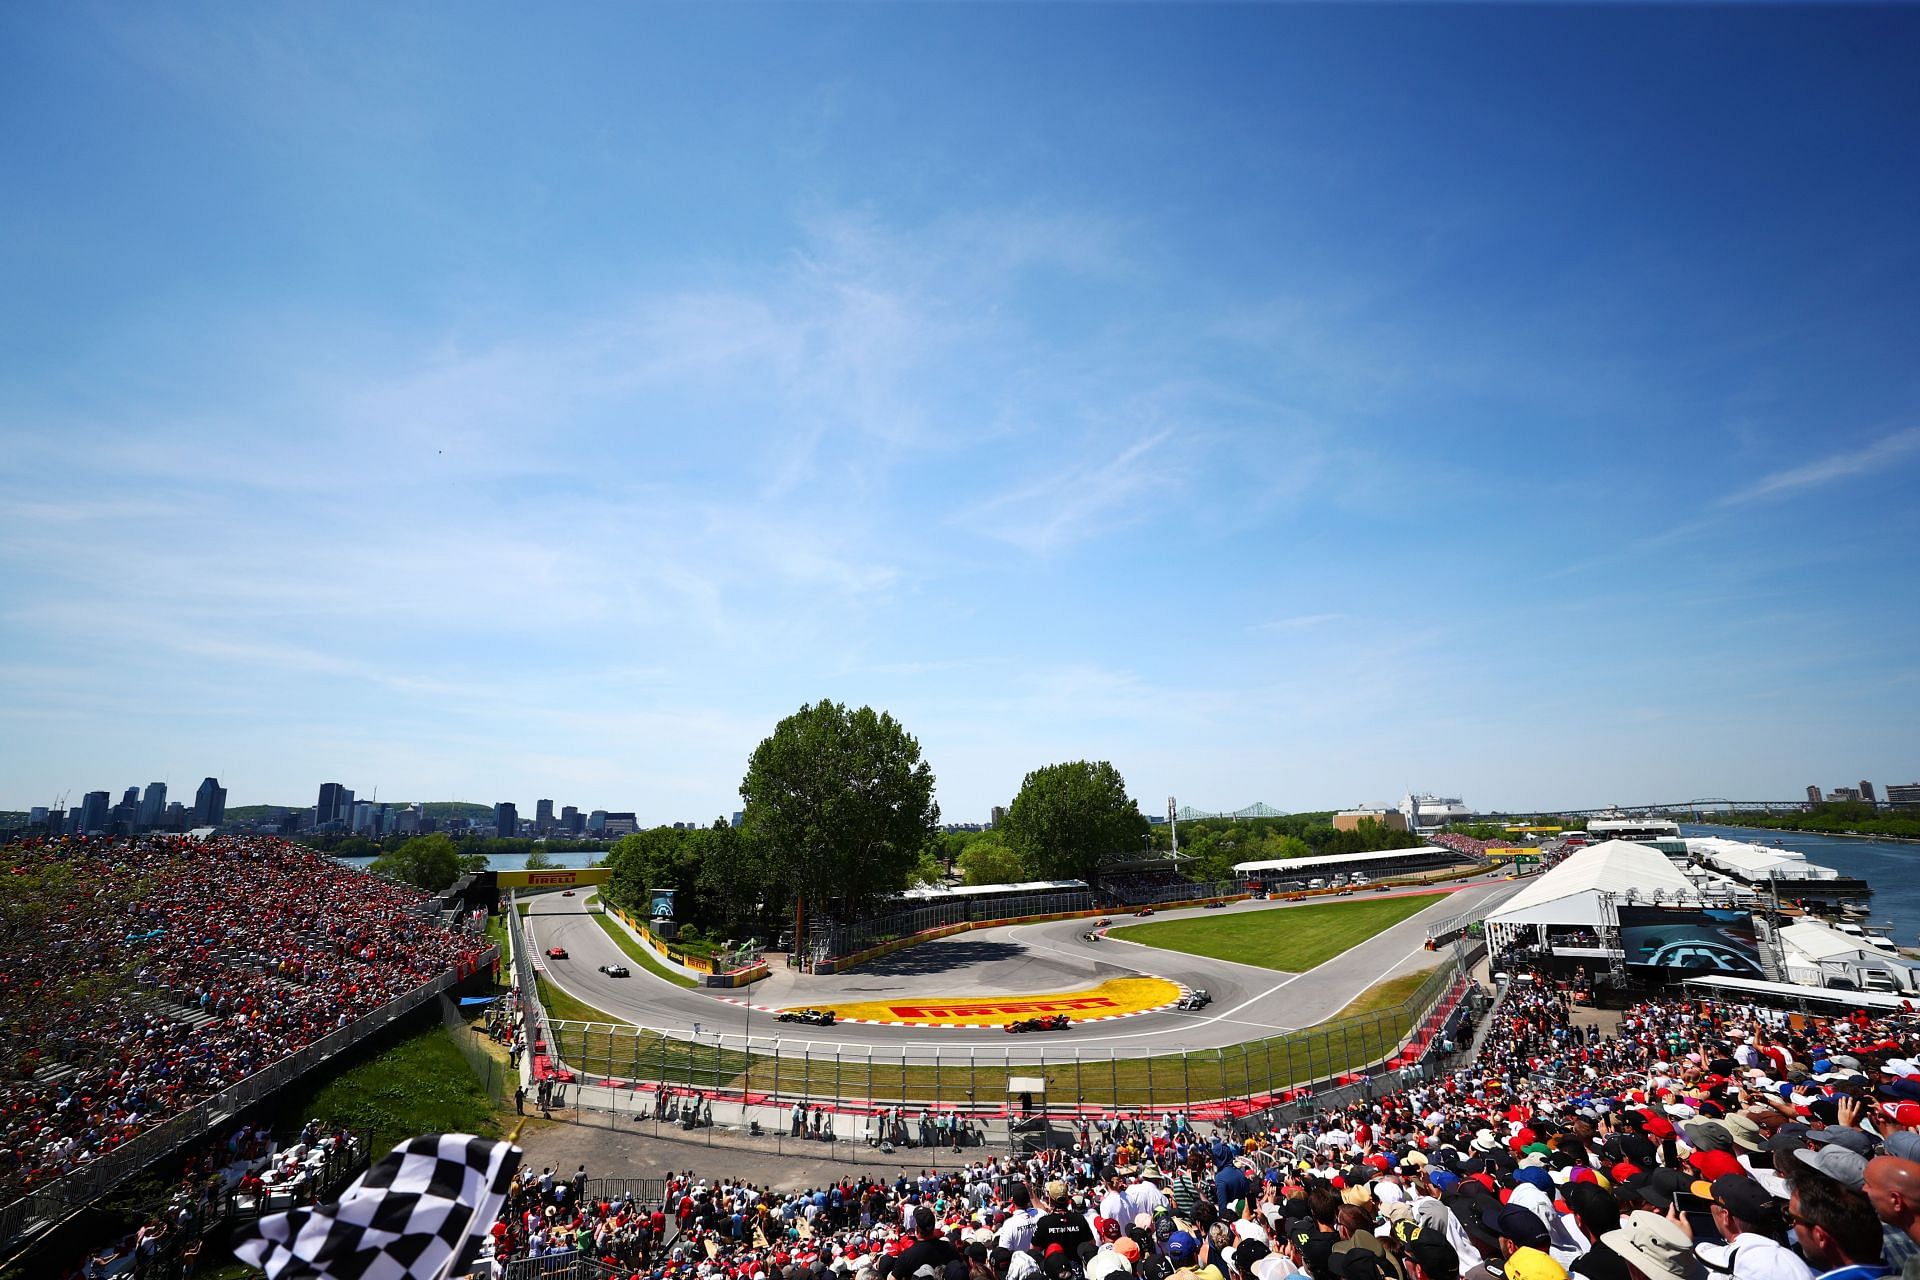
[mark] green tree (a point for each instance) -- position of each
(538, 860)
(842, 806)
(988, 860)
(431, 862)
(1069, 818)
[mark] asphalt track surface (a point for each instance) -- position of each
(1249, 1002)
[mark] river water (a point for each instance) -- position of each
(512, 861)
(1887, 865)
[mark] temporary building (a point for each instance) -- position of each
(1572, 894)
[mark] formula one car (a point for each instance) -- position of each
(1089, 936)
(614, 970)
(1144, 911)
(1052, 1022)
(1195, 999)
(556, 953)
(1216, 904)
(1103, 922)
(812, 1017)
(566, 893)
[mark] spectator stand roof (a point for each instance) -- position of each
(1793, 991)
(1570, 894)
(1336, 861)
(948, 893)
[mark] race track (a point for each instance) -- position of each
(1248, 1002)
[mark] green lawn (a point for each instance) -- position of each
(559, 1004)
(638, 954)
(1290, 939)
(421, 1085)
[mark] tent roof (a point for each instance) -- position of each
(1817, 941)
(1570, 893)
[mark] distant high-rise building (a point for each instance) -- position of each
(1843, 795)
(132, 797)
(362, 824)
(333, 798)
(571, 820)
(618, 824)
(597, 821)
(37, 816)
(1866, 791)
(1903, 795)
(506, 819)
(998, 816)
(175, 818)
(543, 816)
(739, 818)
(210, 804)
(153, 805)
(93, 812)
(1813, 793)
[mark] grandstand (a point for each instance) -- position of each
(147, 978)
(1274, 873)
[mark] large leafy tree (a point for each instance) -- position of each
(1069, 818)
(716, 872)
(989, 860)
(842, 805)
(432, 862)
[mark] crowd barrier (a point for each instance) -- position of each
(40, 1209)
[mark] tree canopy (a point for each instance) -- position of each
(1069, 818)
(431, 862)
(717, 874)
(987, 859)
(842, 805)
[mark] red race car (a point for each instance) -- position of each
(1052, 1022)
(556, 953)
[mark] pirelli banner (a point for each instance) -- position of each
(553, 878)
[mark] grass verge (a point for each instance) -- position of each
(639, 954)
(1289, 939)
(423, 1084)
(559, 1004)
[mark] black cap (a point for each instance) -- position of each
(1429, 1248)
(1518, 1225)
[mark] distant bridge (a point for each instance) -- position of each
(1259, 809)
(1706, 804)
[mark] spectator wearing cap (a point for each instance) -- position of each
(1837, 1230)
(1655, 1248)
(1848, 1168)
(1425, 1252)
(1523, 1241)
(1892, 1186)
(1355, 1223)
(1748, 1221)
(1060, 1224)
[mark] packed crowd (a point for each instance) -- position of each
(1694, 1140)
(143, 975)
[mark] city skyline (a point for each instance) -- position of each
(1304, 404)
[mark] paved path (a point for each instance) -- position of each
(1248, 1002)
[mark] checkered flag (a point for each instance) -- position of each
(418, 1213)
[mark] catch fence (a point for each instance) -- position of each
(974, 1080)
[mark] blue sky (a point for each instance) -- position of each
(1292, 404)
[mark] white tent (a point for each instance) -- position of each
(1569, 895)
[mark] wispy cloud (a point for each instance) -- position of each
(1838, 466)
(1067, 506)
(1299, 623)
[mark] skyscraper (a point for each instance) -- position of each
(543, 816)
(1866, 791)
(1813, 793)
(153, 805)
(327, 810)
(571, 820)
(506, 819)
(93, 811)
(210, 804)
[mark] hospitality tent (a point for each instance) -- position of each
(1570, 895)
(1817, 952)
